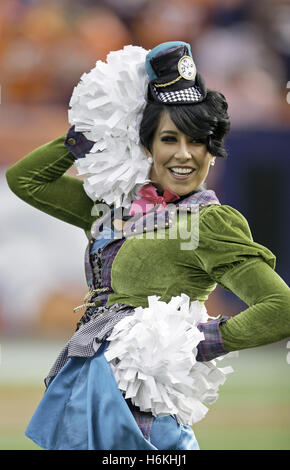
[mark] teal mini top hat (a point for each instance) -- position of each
(173, 76)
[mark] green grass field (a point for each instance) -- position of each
(252, 412)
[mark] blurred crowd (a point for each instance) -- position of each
(241, 47)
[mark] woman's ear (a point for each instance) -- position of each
(149, 156)
(212, 159)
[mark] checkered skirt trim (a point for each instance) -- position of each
(87, 339)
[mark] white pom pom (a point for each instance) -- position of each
(153, 358)
(107, 106)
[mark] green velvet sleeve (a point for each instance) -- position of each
(229, 255)
(39, 179)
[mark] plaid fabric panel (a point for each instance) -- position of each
(107, 257)
(143, 420)
(206, 196)
(77, 143)
(212, 346)
(160, 219)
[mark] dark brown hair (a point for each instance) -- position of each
(208, 121)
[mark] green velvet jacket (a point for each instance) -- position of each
(226, 253)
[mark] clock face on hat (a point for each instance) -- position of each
(186, 68)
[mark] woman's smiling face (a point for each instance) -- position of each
(180, 163)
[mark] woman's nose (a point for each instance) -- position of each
(183, 151)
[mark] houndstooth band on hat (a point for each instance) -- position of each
(189, 95)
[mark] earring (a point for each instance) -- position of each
(150, 160)
(212, 162)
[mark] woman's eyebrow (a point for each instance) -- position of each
(168, 132)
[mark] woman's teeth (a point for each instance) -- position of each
(181, 171)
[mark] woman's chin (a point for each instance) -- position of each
(181, 189)
(176, 185)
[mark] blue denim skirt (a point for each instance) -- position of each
(83, 409)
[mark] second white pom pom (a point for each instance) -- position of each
(153, 358)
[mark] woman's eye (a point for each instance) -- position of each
(171, 138)
(168, 139)
(198, 141)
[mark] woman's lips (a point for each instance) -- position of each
(184, 176)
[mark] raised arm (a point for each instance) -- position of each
(39, 180)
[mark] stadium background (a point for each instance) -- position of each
(242, 49)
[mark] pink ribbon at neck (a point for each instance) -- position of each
(150, 198)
